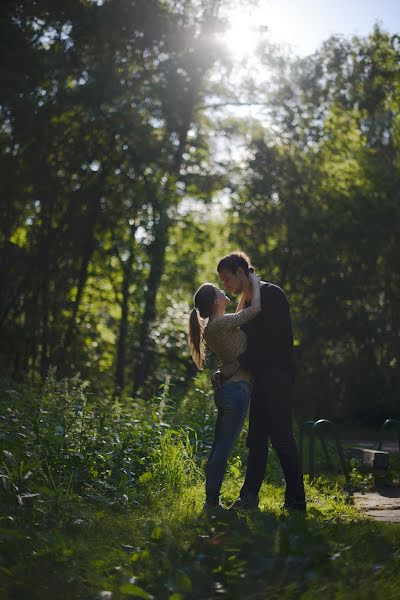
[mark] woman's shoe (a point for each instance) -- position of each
(247, 503)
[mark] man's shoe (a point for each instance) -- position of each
(300, 506)
(247, 503)
(213, 508)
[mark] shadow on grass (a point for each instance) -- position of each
(260, 554)
(167, 555)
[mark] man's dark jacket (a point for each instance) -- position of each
(269, 335)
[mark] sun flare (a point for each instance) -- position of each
(247, 27)
(242, 36)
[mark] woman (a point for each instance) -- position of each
(223, 336)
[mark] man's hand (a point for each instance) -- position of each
(216, 379)
(230, 369)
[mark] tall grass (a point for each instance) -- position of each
(102, 499)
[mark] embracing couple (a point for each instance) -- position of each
(255, 347)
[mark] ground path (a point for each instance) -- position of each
(382, 504)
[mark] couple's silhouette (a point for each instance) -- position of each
(255, 348)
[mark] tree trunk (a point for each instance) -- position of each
(88, 250)
(157, 256)
(44, 292)
(123, 326)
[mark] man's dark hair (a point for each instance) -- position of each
(233, 261)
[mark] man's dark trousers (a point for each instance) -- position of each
(271, 419)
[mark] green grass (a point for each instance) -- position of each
(126, 520)
(169, 549)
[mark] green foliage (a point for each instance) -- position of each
(113, 179)
(157, 543)
(92, 180)
(111, 216)
(64, 443)
(317, 198)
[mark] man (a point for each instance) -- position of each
(269, 357)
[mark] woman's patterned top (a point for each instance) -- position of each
(225, 338)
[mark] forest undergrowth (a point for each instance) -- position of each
(103, 499)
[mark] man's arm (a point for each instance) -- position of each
(230, 369)
(217, 379)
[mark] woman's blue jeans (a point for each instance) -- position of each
(232, 400)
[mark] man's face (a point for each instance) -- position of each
(232, 282)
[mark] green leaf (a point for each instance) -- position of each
(134, 590)
(11, 533)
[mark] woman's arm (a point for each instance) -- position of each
(246, 314)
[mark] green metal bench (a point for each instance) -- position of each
(321, 429)
(390, 425)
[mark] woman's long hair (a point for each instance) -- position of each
(203, 302)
